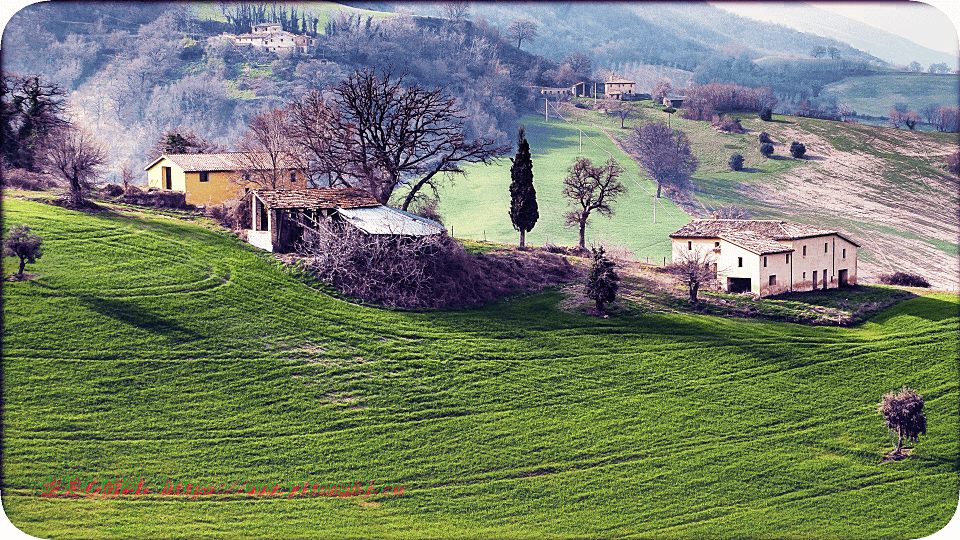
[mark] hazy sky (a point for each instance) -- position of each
(927, 25)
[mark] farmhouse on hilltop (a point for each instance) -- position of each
(207, 179)
(281, 216)
(770, 257)
(271, 36)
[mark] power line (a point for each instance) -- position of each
(589, 138)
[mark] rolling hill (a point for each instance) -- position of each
(149, 347)
(887, 188)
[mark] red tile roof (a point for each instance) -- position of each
(227, 161)
(771, 228)
(315, 198)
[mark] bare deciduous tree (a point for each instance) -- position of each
(591, 188)
(75, 156)
(693, 268)
(22, 243)
(389, 135)
(665, 154)
(312, 121)
(661, 90)
(267, 153)
(521, 29)
(455, 10)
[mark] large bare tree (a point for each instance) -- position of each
(521, 29)
(591, 188)
(76, 156)
(390, 135)
(267, 153)
(665, 154)
(312, 120)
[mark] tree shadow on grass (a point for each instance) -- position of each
(128, 313)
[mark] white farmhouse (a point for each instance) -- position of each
(769, 257)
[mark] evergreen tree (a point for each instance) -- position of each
(523, 197)
(602, 282)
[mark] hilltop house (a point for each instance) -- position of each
(271, 36)
(281, 216)
(617, 88)
(208, 179)
(769, 257)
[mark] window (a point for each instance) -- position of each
(804, 251)
(788, 258)
(773, 280)
(689, 245)
(740, 262)
(844, 256)
(826, 246)
(764, 261)
(293, 177)
(716, 244)
(804, 275)
(204, 176)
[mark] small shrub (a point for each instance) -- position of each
(736, 162)
(903, 414)
(22, 243)
(730, 125)
(26, 180)
(112, 190)
(580, 105)
(669, 110)
(953, 163)
(765, 137)
(797, 150)
(233, 215)
(766, 149)
(904, 279)
(766, 114)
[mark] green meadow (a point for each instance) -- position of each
(875, 95)
(150, 347)
(478, 206)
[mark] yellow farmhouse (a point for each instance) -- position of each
(769, 257)
(207, 179)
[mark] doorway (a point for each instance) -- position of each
(738, 285)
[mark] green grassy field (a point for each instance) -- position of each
(155, 348)
(478, 206)
(875, 95)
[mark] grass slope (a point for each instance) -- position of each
(154, 348)
(478, 206)
(875, 95)
(887, 188)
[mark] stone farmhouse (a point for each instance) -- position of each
(271, 36)
(614, 87)
(280, 217)
(208, 179)
(617, 88)
(768, 257)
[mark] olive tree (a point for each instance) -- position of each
(21, 242)
(903, 414)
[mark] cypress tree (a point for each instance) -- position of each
(523, 197)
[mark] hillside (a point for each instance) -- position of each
(887, 188)
(147, 347)
(876, 94)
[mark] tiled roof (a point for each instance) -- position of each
(770, 228)
(315, 198)
(618, 80)
(229, 161)
(755, 242)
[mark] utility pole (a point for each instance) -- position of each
(546, 113)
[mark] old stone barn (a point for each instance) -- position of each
(279, 217)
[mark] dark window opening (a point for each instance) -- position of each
(689, 245)
(204, 176)
(804, 251)
(293, 177)
(844, 256)
(740, 262)
(826, 247)
(773, 280)
(764, 261)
